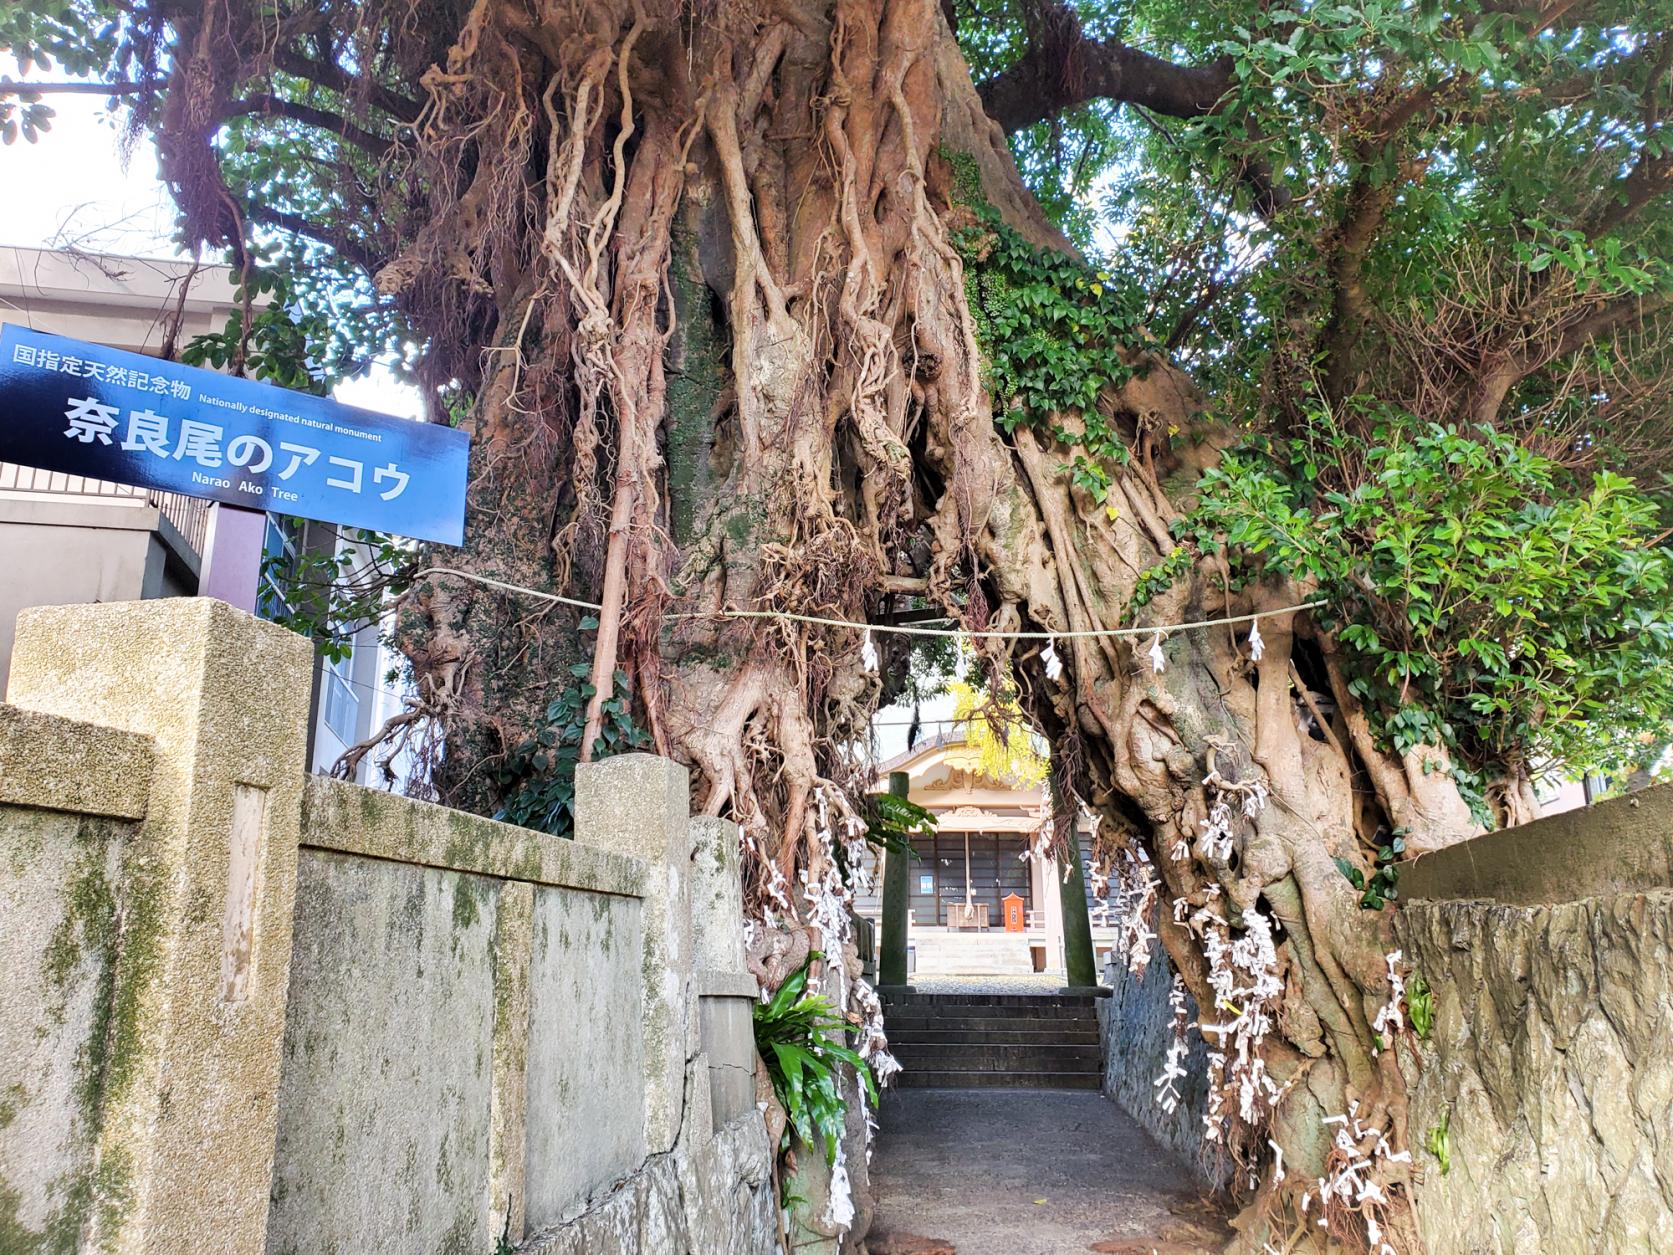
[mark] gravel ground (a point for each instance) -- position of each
(1036, 983)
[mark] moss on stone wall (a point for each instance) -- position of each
(464, 902)
(109, 940)
(15, 1236)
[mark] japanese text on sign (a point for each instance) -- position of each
(88, 410)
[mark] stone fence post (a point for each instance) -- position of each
(726, 988)
(639, 805)
(187, 1098)
(699, 1035)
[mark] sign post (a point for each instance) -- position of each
(232, 550)
(84, 409)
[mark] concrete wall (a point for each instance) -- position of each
(115, 300)
(1614, 847)
(387, 1075)
(58, 550)
(61, 902)
(255, 1011)
(1550, 951)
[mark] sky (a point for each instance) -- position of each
(79, 191)
(74, 188)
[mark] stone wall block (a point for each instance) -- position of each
(1553, 1068)
(725, 987)
(1562, 972)
(1137, 1032)
(1504, 969)
(209, 884)
(717, 896)
(67, 765)
(729, 1047)
(60, 885)
(638, 804)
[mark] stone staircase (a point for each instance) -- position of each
(1015, 1041)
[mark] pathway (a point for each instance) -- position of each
(1026, 1172)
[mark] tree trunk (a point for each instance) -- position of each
(735, 370)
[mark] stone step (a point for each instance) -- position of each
(914, 1078)
(913, 1025)
(974, 966)
(964, 1001)
(1017, 1015)
(988, 1057)
(1020, 1007)
(973, 956)
(941, 1035)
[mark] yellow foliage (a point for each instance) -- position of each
(999, 736)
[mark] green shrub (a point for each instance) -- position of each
(799, 1038)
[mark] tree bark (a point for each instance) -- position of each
(734, 369)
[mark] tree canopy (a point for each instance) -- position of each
(1421, 254)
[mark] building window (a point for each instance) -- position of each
(342, 703)
(980, 867)
(278, 566)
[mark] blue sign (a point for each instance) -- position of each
(84, 409)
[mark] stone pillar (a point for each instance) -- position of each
(1079, 962)
(897, 890)
(638, 804)
(192, 1048)
(726, 991)
(1050, 902)
(717, 897)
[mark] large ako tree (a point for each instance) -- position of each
(1041, 317)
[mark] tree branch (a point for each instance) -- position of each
(1651, 175)
(1059, 73)
(1510, 369)
(295, 223)
(9, 88)
(1349, 242)
(332, 76)
(1063, 68)
(267, 104)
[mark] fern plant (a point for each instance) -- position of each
(799, 1038)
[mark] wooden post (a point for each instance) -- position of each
(1079, 960)
(897, 888)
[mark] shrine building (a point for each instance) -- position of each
(980, 860)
